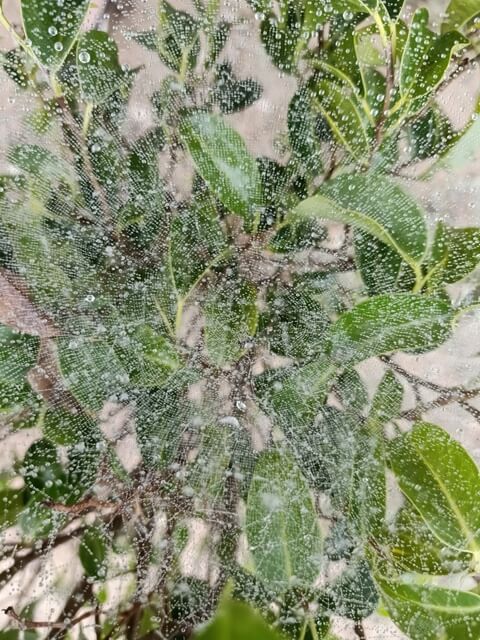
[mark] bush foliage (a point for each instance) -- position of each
(227, 324)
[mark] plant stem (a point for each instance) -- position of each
(360, 631)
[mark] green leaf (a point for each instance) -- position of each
(302, 131)
(413, 547)
(351, 391)
(209, 472)
(293, 395)
(148, 356)
(344, 117)
(462, 148)
(52, 28)
(43, 473)
(237, 621)
(384, 324)
(455, 253)
(431, 613)
(11, 505)
(459, 12)
(296, 323)
(425, 60)
(99, 70)
(93, 552)
(386, 403)
(231, 318)
(231, 94)
(18, 354)
(441, 480)
(280, 37)
(223, 161)
(196, 243)
(282, 527)
(354, 593)
(431, 134)
(64, 428)
(376, 206)
(14, 63)
(217, 40)
(177, 38)
(161, 417)
(83, 359)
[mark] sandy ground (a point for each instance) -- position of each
(454, 197)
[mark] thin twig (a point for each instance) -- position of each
(33, 624)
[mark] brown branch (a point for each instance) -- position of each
(414, 379)
(84, 506)
(360, 631)
(32, 624)
(459, 395)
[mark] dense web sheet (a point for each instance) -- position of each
(238, 319)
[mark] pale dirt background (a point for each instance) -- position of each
(453, 197)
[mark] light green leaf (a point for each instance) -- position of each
(431, 613)
(52, 27)
(413, 547)
(344, 117)
(459, 12)
(99, 70)
(231, 318)
(281, 523)
(237, 621)
(93, 552)
(441, 480)
(388, 323)
(223, 161)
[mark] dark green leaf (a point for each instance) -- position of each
(14, 64)
(302, 131)
(383, 324)
(355, 593)
(431, 134)
(52, 27)
(44, 474)
(387, 402)
(231, 94)
(441, 480)
(296, 324)
(351, 391)
(93, 552)
(18, 354)
(281, 523)
(293, 395)
(99, 70)
(162, 417)
(425, 59)
(177, 38)
(224, 162)
(217, 40)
